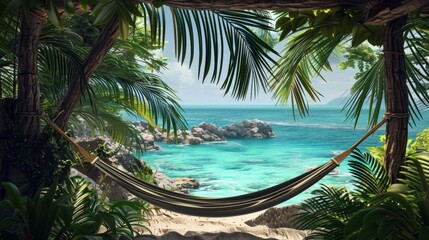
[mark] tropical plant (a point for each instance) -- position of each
(402, 212)
(315, 36)
(374, 208)
(103, 77)
(332, 208)
(72, 211)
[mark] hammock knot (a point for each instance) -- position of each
(396, 115)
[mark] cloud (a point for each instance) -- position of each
(178, 76)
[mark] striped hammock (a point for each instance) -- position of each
(214, 207)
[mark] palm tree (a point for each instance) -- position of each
(383, 22)
(317, 27)
(315, 35)
(78, 73)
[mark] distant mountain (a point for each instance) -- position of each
(337, 101)
(340, 101)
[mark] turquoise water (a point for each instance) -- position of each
(246, 165)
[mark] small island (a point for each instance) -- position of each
(205, 132)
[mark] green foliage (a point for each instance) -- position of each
(34, 217)
(375, 208)
(402, 211)
(369, 176)
(421, 142)
(332, 207)
(330, 23)
(363, 57)
(54, 157)
(216, 32)
(369, 87)
(72, 211)
(327, 213)
(315, 37)
(145, 173)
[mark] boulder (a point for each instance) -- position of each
(249, 129)
(206, 132)
(163, 181)
(174, 184)
(277, 217)
(193, 140)
(186, 182)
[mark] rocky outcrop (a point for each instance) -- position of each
(148, 138)
(249, 129)
(117, 156)
(176, 184)
(206, 132)
(277, 217)
(186, 183)
(126, 161)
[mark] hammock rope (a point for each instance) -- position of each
(215, 207)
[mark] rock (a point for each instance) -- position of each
(197, 131)
(170, 184)
(122, 158)
(277, 217)
(186, 182)
(249, 129)
(193, 140)
(206, 132)
(164, 182)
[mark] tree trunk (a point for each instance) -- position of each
(20, 123)
(28, 81)
(396, 97)
(101, 47)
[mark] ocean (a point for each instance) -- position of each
(240, 166)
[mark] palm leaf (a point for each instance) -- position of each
(142, 91)
(304, 57)
(369, 176)
(416, 171)
(328, 212)
(213, 33)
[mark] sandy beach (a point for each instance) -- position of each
(169, 225)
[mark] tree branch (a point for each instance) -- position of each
(99, 50)
(388, 10)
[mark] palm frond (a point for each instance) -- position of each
(212, 39)
(146, 93)
(328, 212)
(305, 55)
(368, 175)
(417, 64)
(415, 171)
(9, 33)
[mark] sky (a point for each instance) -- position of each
(192, 91)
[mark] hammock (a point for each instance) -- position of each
(215, 207)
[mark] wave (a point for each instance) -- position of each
(215, 142)
(313, 125)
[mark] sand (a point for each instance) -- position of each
(169, 225)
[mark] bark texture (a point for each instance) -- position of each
(396, 97)
(392, 9)
(101, 47)
(28, 81)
